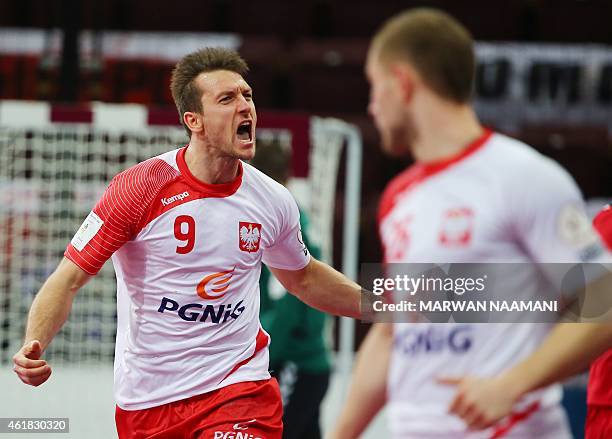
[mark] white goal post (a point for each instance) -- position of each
(55, 162)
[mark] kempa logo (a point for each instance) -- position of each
(172, 199)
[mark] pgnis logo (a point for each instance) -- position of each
(173, 198)
(435, 339)
(214, 286)
(249, 235)
(193, 312)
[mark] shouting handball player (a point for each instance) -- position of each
(187, 232)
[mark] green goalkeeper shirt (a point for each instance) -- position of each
(296, 329)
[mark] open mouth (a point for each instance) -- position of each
(244, 131)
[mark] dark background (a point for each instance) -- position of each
(305, 56)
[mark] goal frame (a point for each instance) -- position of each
(304, 128)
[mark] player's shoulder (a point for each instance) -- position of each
(150, 174)
(603, 223)
(262, 184)
(522, 163)
(604, 214)
(508, 151)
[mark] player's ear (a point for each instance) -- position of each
(194, 121)
(406, 80)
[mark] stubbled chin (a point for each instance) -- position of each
(246, 153)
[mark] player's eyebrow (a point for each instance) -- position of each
(226, 91)
(234, 91)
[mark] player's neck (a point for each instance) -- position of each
(210, 168)
(444, 133)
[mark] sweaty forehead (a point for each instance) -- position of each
(218, 81)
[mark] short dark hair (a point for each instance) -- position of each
(185, 93)
(439, 47)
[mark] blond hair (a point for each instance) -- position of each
(437, 45)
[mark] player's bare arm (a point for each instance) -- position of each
(323, 288)
(368, 388)
(567, 350)
(48, 313)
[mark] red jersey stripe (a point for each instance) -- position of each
(514, 419)
(125, 203)
(261, 341)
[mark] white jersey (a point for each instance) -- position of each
(498, 201)
(187, 256)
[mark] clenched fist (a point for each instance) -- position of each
(29, 367)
